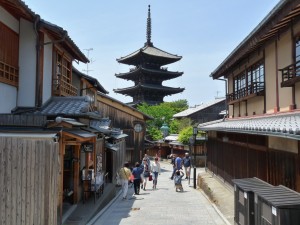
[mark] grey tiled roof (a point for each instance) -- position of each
(67, 106)
(153, 51)
(197, 108)
(281, 124)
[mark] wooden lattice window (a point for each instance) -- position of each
(62, 80)
(9, 55)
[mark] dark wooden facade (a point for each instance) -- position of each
(125, 117)
(242, 156)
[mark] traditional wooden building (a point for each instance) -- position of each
(261, 136)
(132, 122)
(52, 142)
(148, 73)
(204, 112)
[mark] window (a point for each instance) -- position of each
(9, 55)
(62, 78)
(249, 82)
(297, 58)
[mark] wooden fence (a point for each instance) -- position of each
(28, 181)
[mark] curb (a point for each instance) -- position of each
(96, 217)
(215, 207)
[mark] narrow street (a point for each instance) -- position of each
(161, 206)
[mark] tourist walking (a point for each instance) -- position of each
(125, 174)
(147, 158)
(177, 180)
(172, 156)
(146, 173)
(155, 169)
(186, 160)
(178, 163)
(137, 173)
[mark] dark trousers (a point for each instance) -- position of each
(136, 185)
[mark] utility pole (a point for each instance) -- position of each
(91, 61)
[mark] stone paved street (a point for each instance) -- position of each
(161, 206)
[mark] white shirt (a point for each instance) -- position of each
(155, 167)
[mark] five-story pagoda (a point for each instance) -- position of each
(148, 73)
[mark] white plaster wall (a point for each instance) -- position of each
(283, 144)
(27, 63)
(8, 98)
(9, 20)
(47, 71)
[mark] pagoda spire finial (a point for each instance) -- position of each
(149, 43)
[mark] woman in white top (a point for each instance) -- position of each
(155, 169)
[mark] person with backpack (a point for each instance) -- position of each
(177, 180)
(137, 173)
(125, 174)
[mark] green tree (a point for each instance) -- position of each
(162, 113)
(185, 134)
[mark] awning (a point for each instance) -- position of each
(112, 147)
(118, 136)
(80, 135)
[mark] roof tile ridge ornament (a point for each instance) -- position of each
(148, 31)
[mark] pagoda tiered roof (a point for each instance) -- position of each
(162, 74)
(149, 72)
(149, 54)
(131, 91)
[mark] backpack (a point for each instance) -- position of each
(177, 179)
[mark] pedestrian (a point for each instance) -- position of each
(137, 173)
(147, 158)
(172, 156)
(187, 165)
(177, 180)
(146, 173)
(125, 175)
(178, 163)
(155, 169)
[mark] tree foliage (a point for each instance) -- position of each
(185, 135)
(162, 113)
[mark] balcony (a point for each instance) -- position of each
(63, 88)
(290, 75)
(253, 90)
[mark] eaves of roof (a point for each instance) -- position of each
(19, 9)
(151, 88)
(286, 125)
(160, 72)
(149, 51)
(145, 116)
(278, 20)
(61, 35)
(92, 80)
(198, 108)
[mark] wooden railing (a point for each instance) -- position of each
(9, 74)
(290, 74)
(254, 88)
(63, 88)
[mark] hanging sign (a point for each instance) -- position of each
(87, 147)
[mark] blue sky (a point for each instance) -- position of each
(203, 32)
